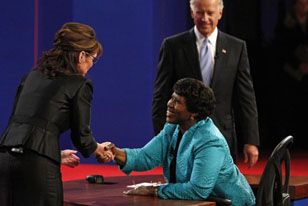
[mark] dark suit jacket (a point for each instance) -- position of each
(44, 108)
(231, 83)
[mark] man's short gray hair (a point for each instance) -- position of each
(220, 3)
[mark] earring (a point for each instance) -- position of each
(192, 118)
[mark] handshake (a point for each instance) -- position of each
(105, 152)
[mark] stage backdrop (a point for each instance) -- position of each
(130, 32)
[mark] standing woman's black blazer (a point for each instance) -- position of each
(44, 108)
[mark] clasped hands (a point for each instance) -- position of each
(107, 151)
(103, 152)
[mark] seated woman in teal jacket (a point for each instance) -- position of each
(194, 154)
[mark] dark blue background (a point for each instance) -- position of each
(131, 32)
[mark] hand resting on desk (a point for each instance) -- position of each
(147, 189)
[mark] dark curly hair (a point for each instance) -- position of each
(69, 41)
(199, 98)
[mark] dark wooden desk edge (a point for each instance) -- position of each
(71, 204)
(137, 179)
(207, 204)
(298, 185)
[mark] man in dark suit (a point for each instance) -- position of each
(229, 77)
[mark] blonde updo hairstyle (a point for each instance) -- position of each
(69, 41)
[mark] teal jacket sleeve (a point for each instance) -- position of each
(146, 158)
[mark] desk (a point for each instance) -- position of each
(298, 188)
(298, 185)
(82, 193)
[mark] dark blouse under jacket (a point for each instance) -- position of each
(46, 107)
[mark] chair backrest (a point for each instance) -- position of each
(270, 191)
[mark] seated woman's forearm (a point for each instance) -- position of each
(186, 190)
(120, 156)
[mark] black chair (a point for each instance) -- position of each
(270, 191)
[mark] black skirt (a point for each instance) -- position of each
(29, 179)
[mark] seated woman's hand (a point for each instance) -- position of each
(108, 146)
(102, 153)
(142, 190)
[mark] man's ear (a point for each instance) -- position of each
(220, 14)
(191, 13)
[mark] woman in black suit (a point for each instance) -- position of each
(54, 97)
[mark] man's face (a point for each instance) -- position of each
(206, 14)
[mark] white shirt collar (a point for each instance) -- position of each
(212, 38)
(212, 41)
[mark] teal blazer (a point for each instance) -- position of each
(204, 165)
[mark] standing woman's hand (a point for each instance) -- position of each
(69, 158)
